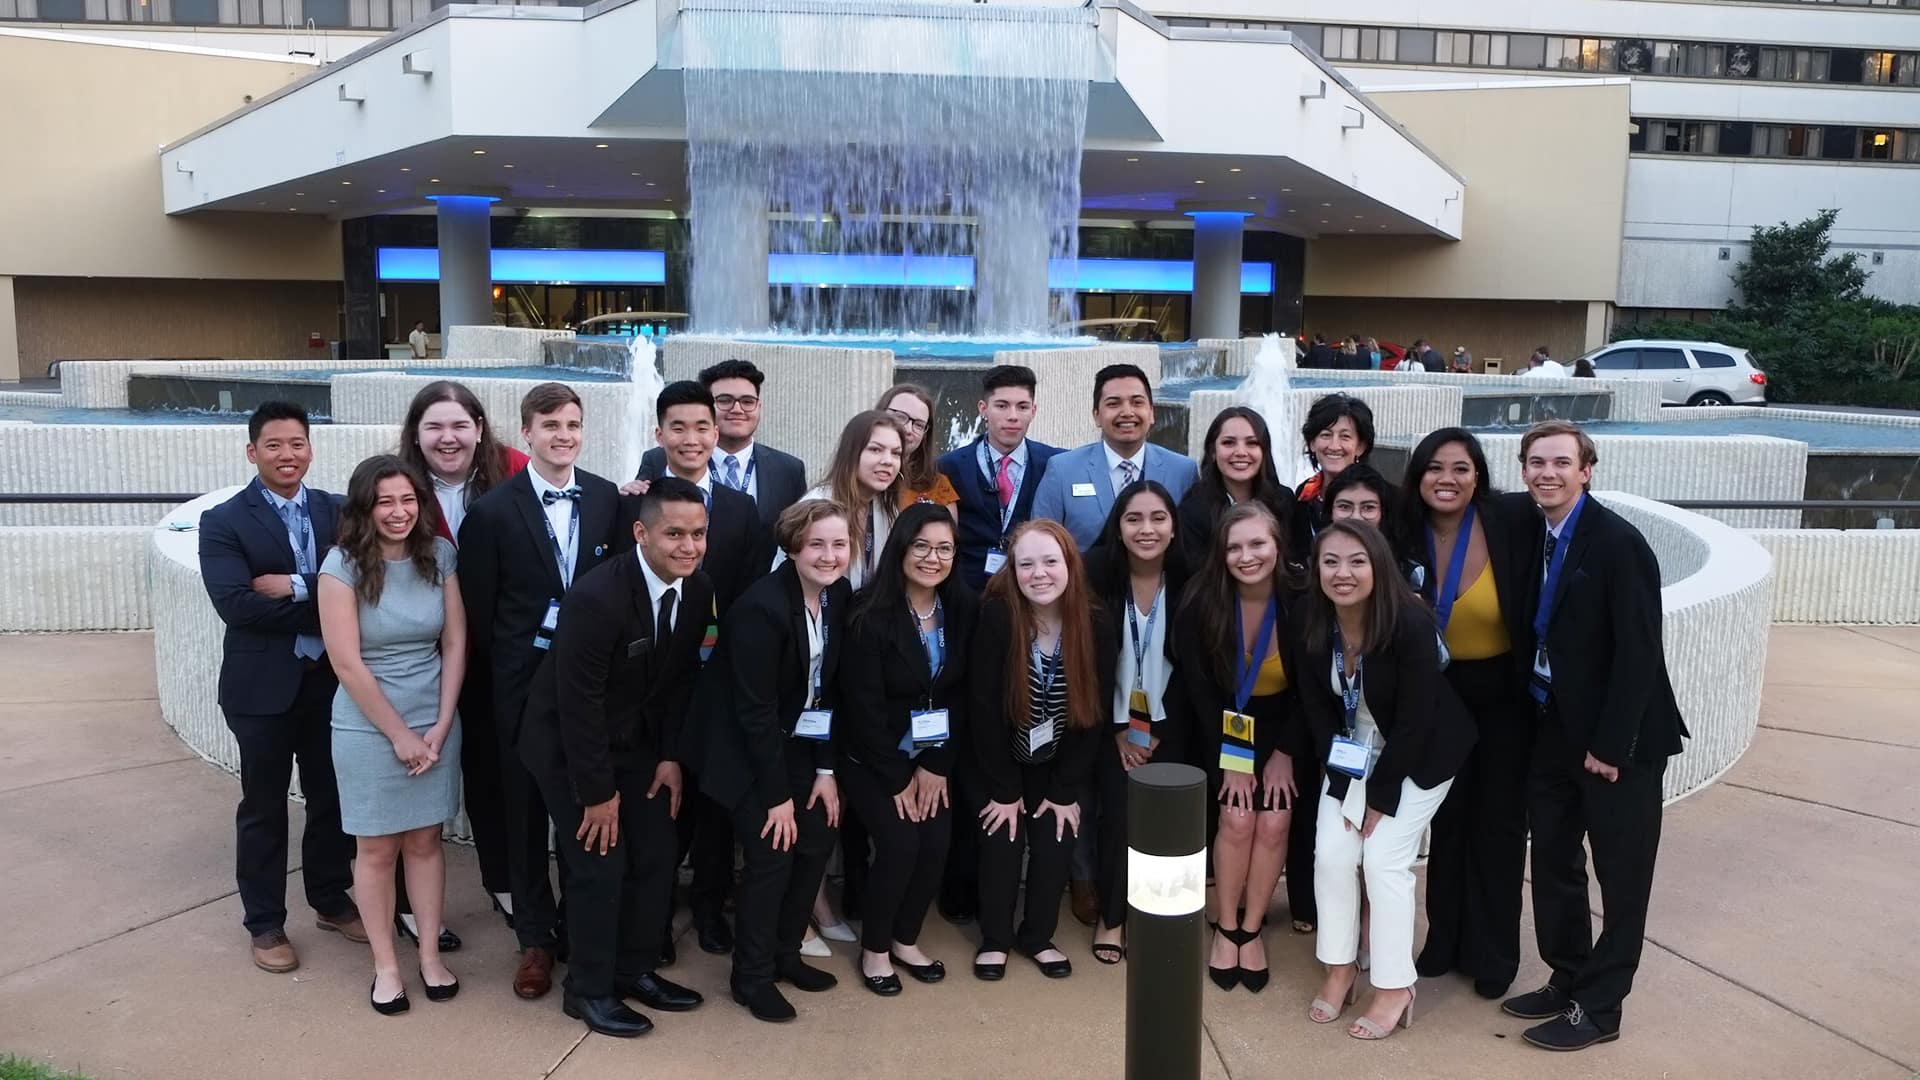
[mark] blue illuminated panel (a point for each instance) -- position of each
(894, 271)
(525, 266)
(1149, 275)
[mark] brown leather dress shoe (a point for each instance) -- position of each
(273, 952)
(534, 977)
(1085, 901)
(347, 924)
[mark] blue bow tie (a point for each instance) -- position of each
(548, 498)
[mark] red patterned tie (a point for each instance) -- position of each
(1003, 479)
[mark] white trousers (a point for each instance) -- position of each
(1341, 857)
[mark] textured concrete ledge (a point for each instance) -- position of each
(382, 398)
(1844, 576)
(810, 390)
(1240, 353)
(1670, 467)
(1758, 412)
(523, 346)
(1063, 400)
(1403, 413)
(30, 399)
(73, 578)
(102, 384)
(1633, 399)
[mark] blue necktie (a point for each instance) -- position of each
(732, 476)
(305, 646)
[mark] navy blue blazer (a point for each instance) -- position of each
(980, 502)
(241, 539)
(1083, 514)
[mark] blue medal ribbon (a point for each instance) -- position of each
(1249, 664)
(1449, 585)
(1550, 588)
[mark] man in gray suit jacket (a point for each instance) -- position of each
(1078, 487)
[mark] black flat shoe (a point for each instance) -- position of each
(926, 973)
(388, 1008)
(449, 941)
(803, 976)
(608, 1016)
(440, 993)
(766, 1003)
(1052, 969)
(663, 994)
(884, 985)
(989, 972)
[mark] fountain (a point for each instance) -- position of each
(1268, 388)
(644, 377)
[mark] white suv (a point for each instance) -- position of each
(1690, 372)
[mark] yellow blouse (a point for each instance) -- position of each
(1272, 678)
(1475, 630)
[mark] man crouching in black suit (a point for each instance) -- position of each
(602, 715)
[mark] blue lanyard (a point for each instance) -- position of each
(560, 556)
(1349, 693)
(1049, 668)
(940, 637)
(300, 560)
(815, 702)
(1449, 586)
(746, 478)
(1250, 668)
(1141, 641)
(1543, 615)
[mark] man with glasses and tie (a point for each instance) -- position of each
(997, 474)
(772, 479)
(260, 552)
(522, 546)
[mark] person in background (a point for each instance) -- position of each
(1348, 357)
(1338, 432)
(1462, 362)
(1416, 360)
(996, 475)
(391, 616)
(1583, 369)
(260, 561)
(1041, 676)
(417, 341)
(1232, 668)
(772, 479)
(1236, 469)
(1606, 723)
(1078, 488)
(1373, 354)
(1361, 494)
(902, 691)
(920, 479)
(1319, 354)
(864, 478)
(447, 439)
(1136, 571)
(1392, 735)
(1541, 365)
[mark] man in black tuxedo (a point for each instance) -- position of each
(772, 479)
(1608, 723)
(996, 474)
(260, 555)
(522, 546)
(603, 720)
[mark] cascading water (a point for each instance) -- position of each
(927, 136)
(646, 385)
(1268, 389)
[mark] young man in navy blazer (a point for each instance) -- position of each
(774, 480)
(260, 554)
(1079, 485)
(997, 474)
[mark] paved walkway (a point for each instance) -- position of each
(1784, 929)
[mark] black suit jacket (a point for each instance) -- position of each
(1428, 732)
(980, 502)
(778, 477)
(613, 696)
(755, 687)
(1508, 522)
(1175, 731)
(1604, 644)
(884, 678)
(739, 544)
(1206, 696)
(241, 539)
(990, 732)
(508, 574)
(1200, 514)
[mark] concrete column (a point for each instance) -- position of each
(9, 334)
(1598, 325)
(1011, 245)
(729, 289)
(466, 260)
(1217, 240)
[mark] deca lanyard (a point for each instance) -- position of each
(561, 556)
(1141, 641)
(1449, 588)
(1249, 666)
(817, 669)
(1349, 692)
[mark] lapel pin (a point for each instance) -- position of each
(599, 550)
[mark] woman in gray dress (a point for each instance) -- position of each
(395, 629)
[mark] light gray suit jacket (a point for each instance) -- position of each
(1084, 470)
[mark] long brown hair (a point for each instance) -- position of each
(359, 535)
(843, 474)
(1076, 630)
(917, 469)
(489, 455)
(1214, 598)
(1382, 609)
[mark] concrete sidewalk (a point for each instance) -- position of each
(1783, 931)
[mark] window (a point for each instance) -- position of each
(1876, 145)
(1707, 358)
(1683, 136)
(1662, 360)
(1527, 50)
(1794, 65)
(1367, 43)
(1308, 36)
(1416, 46)
(1617, 360)
(327, 12)
(1891, 69)
(63, 10)
(1906, 146)
(196, 12)
(1785, 140)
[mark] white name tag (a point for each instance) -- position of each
(1038, 736)
(552, 621)
(1349, 757)
(1083, 490)
(814, 724)
(995, 560)
(930, 726)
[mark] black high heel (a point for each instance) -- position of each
(387, 1008)
(1226, 978)
(449, 941)
(1254, 981)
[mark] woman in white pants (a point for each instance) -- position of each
(1392, 735)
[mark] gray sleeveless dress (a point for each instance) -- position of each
(400, 644)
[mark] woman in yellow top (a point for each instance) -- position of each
(911, 407)
(1473, 547)
(1228, 660)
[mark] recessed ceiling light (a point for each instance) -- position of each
(1324, 221)
(380, 191)
(599, 146)
(1253, 198)
(1326, 204)
(293, 210)
(1133, 159)
(333, 202)
(297, 194)
(1349, 228)
(405, 168)
(633, 174)
(1235, 169)
(479, 153)
(262, 202)
(1293, 211)
(1199, 181)
(1286, 190)
(650, 183)
(1359, 217)
(346, 183)
(550, 187)
(434, 180)
(1383, 226)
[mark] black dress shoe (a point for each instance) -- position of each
(388, 1008)
(1491, 989)
(765, 1002)
(1571, 1030)
(1052, 969)
(885, 985)
(926, 973)
(669, 955)
(715, 935)
(803, 976)
(449, 941)
(440, 993)
(607, 1015)
(663, 994)
(957, 911)
(561, 949)
(989, 972)
(1433, 962)
(1547, 1002)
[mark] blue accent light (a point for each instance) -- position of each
(1219, 215)
(535, 266)
(487, 199)
(885, 271)
(1149, 275)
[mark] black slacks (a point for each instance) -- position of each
(1110, 779)
(270, 748)
(1302, 829)
(960, 885)
(480, 779)
(537, 912)
(777, 887)
(614, 900)
(1049, 860)
(1621, 821)
(908, 859)
(1476, 864)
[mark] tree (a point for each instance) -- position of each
(1788, 265)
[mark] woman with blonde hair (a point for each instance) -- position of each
(864, 476)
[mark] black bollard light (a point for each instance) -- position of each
(1166, 895)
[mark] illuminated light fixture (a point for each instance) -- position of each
(434, 180)
(298, 194)
(1253, 198)
(1133, 159)
(346, 183)
(1286, 190)
(406, 168)
(509, 165)
(379, 191)
(650, 183)
(522, 266)
(1326, 204)
(479, 153)
(333, 202)
(1199, 181)
(1880, 138)
(599, 146)
(1234, 169)
(550, 187)
(633, 174)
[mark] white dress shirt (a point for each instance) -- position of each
(1154, 669)
(657, 587)
(561, 515)
(453, 503)
(743, 459)
(1139, 460)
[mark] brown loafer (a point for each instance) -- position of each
(1085, 901)
(534, 977)
(274, 953)
(347, 924)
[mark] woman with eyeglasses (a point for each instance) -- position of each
(903, 685)
(864, 477)
(921, 480)
(1237, 468)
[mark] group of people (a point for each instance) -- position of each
(1357, 353)
(940, 670)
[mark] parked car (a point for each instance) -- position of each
(1690, 372)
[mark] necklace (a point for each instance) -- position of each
(931, 612)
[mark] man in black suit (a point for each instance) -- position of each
(1607, 725)
(522, 546)
(772, 479)
(1319, 354)
(996, 474)
(260, 555)
(600, 732)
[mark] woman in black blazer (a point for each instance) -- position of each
(1041, 673)
(905, 667)
(1476, 582)
(1238, 467)
(1136, 571)
(766, 754)
(1392, 733)
(1338, 432)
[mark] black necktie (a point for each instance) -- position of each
(1553, 541)
(548, 498)
(663, 624)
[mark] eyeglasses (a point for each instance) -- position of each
(938, 552)
(747, 402)
(908, 422)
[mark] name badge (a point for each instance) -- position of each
(930, 727)
(1083, 491)
(1350, 757)
(1038, 736)
(995, 560)
(543, 637)
(814, 724)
